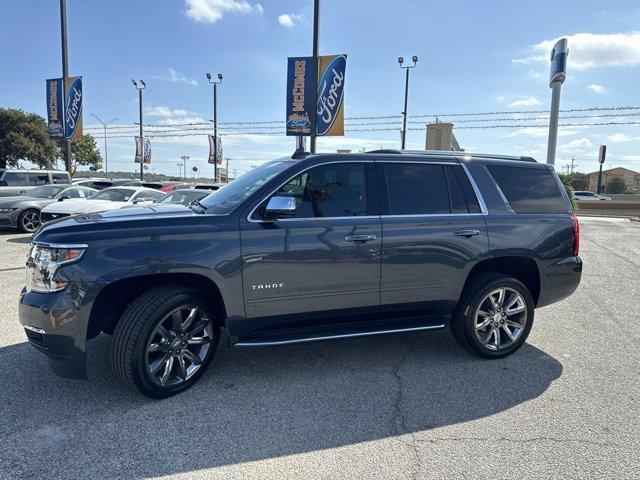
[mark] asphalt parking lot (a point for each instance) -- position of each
(412, 406)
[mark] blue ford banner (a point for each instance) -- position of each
(558, 70)
(55, 108)
(215, 150)
(330, 107)
(146, 148)
(73, 108)
(300, 85)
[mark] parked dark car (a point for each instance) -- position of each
(207, 186)
(23, 211)
(307, 248)
(184, 196)
(16, 181)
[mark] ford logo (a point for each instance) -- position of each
(73, 110)
(330, 93)
(301, 123)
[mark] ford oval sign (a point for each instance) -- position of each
(330, 111)
(73, 108)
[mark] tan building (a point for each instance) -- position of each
(440, 137)
(630, 178)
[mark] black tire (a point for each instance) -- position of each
(463, 321)
(134, 331)
(29, 220)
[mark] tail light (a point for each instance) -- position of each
(576, 235)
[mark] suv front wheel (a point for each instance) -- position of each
(494, 316)
(164, 341)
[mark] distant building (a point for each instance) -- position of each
(440, 137)
(630, 178)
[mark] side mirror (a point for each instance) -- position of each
(280, 207)
(4, 183)
(66, 196)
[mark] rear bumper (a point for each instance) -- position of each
(54, 326)
(559, 280)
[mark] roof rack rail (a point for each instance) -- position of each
(447, 153)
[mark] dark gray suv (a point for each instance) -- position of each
(307, 248)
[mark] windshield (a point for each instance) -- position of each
(113, 195)
(45, 191)
(226, 199)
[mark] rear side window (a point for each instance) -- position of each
(60, 178)
(529, 190)
(38, 178)
(15, 178)
(415, 189)
(463, 198)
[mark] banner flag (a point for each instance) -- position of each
(213, 148)
(73, 108)
(146, 147)
(55, 108)
(300, 85)
(330, 107)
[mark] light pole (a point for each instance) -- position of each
(316, 34)
(215, 122)
(556, 79)
(65, 74)
(140, 89)
(184, 164)
(106, 155)
(406, 96)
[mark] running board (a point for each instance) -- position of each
(262, 342)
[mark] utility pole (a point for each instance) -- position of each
(65, 74)
(106, 155)
(406, 97)
(184, 164)
(557, 76)
(314, 110)
(215, 122)
(140, 89)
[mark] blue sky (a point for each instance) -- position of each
(474, 57)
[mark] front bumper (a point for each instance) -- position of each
(9, 219)
(55, 326)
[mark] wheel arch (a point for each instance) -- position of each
(524, 269)
(112, 300)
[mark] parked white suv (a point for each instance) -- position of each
(585, 196)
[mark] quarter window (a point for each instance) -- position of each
(60, 178)
(333, 190)
(415, 189)
(529, 190)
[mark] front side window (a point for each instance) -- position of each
(333, 190)
(60, 178)
(416, 189)
(113, 195)
(45, 191)
(147, 196)
(529, 190)
(74, 193)
(38, 178)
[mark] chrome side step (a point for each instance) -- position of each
(267, 343)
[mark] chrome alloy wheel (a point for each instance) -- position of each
(178, 345)
(501, 318)
(30, 221)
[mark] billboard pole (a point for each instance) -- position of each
(316, 27)
(65, 74)
(556, 79)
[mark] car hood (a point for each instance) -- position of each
(78, 206)
(22, 201)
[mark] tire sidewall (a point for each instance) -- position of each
(473, 304)
(141, 376)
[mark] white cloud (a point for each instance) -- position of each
(595, 88)
(577, 144)
(172, 75)
(524, 102)
(539, 132)
(210, 11)
(619, 137)
(591, 50)
(163, 111)
(289, 20)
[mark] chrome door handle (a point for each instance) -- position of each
(359, 238)
(466, 233)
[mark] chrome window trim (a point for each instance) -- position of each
(483, 206)
(310, 218)
(410, 162)
(431, 215)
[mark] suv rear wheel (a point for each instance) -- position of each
(164, 341)
(494, 316)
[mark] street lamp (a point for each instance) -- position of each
(140, 89)
(215, 122)
(106, 156)
(406, 95)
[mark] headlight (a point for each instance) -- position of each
(7, 210)
(43, 263)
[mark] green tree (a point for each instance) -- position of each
(25, 137)
(566, 183)
(85, 152)
(616, 185)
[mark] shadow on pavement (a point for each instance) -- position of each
(25, 240)
(252, 404)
